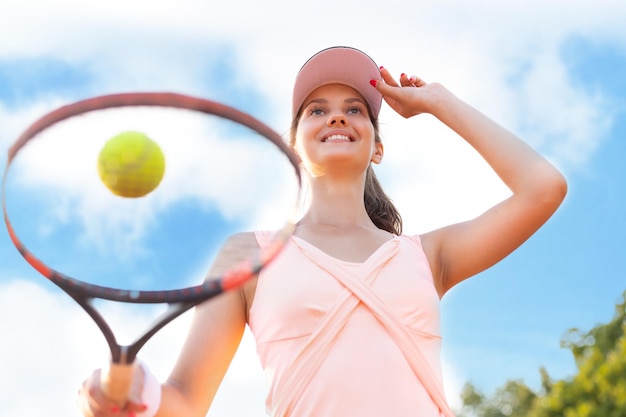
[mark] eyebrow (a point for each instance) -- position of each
(325, 101)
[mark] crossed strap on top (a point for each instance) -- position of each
(356, 289)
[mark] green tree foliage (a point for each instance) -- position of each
(597, 390)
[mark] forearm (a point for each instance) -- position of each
(175, 403)
(190, 392)
(216, 331)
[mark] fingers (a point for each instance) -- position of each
(404, 80)
(387, 78)
(404, 95)
(411, 81)
(418, 82)
(92, 402)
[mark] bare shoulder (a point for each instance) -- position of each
(244, 242)
(237, 248)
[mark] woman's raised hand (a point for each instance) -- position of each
(410, 95)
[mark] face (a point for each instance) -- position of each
(335, 132)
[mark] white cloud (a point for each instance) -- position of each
(472, 47)
(49, 352)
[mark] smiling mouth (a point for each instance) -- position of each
(337, 138)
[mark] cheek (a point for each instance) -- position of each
(297, 145)
(300, 140)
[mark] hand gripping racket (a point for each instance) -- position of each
(117, 384)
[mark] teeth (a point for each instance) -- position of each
(337, 138)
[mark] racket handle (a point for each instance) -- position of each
(119, 382)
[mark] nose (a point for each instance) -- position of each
(337, 119)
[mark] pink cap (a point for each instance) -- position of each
(338, 65)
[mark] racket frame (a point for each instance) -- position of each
(178, 300)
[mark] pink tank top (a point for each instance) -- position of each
(338, 338)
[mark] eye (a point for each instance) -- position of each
(315, 111)
(356, 108)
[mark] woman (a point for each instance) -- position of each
(346, 320)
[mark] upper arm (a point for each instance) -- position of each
(462, 250)
(214, 336)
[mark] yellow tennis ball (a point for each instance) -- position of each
(131, 164)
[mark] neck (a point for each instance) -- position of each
(336, 203)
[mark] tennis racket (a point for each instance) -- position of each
(92, 282)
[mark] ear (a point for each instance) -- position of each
(379, 152)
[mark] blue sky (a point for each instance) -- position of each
(550, 71)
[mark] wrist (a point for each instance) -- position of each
(150, 393)
(441, 100)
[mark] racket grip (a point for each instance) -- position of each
(119, 382)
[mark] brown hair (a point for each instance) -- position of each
(378, 205)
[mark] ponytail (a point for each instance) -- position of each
(379, 206)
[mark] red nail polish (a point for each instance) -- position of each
(402, 75)
(115, 409)
(373, 83)
(382, 68)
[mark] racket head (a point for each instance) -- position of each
(233, 277)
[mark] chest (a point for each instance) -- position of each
(306, 284)
(349, 246)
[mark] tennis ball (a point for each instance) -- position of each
(131, 164)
